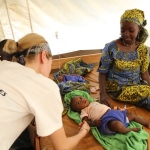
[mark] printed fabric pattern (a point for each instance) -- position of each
(123, 69)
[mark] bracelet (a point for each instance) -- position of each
(85, 129)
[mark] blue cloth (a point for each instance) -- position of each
(69, 86)
(112, 115)
(122, 67)
(73, 78)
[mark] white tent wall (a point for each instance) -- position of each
(68, 25)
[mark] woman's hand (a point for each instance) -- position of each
(84, 125)
(105, 99)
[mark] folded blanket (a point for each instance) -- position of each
(68, 86)
(129, 141)
(75, 67)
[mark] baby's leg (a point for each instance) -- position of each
(133, 117)
(118, 126)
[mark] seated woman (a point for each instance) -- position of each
(123, 67)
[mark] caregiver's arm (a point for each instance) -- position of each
(61, 142)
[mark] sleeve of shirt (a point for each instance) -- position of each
(105, 60)
(47, 109)
(145, 58)
(83, 114)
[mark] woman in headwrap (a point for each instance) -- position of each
(8, 51)
(123, 67)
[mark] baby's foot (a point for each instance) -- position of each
(135, 129)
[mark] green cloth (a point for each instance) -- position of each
(76, 66)
(129, 141)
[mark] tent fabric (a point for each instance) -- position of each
(68, 25)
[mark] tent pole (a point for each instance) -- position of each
(2, 36)
(9, 19)
(29, 16)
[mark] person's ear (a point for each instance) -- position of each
(43, 56)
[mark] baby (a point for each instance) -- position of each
(108, 121)
(71, 77)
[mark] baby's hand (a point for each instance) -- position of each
(97, 122)
(85, 125)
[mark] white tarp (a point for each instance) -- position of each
(68, 25)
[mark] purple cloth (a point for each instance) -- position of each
(112, 115)
(73, 78)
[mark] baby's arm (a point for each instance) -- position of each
(92, 123)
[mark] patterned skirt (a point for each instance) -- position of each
(136, 94)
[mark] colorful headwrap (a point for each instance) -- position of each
(32, 50)
(39, 48)
(136, 16)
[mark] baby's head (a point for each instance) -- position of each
(61, 77)
(78, 103)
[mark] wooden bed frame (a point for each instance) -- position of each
(92, 58)
(71, 128)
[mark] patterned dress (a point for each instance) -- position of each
(123, 74)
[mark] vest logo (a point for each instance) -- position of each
(3, 93)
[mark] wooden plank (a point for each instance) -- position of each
(71, 128)
(92, 58)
